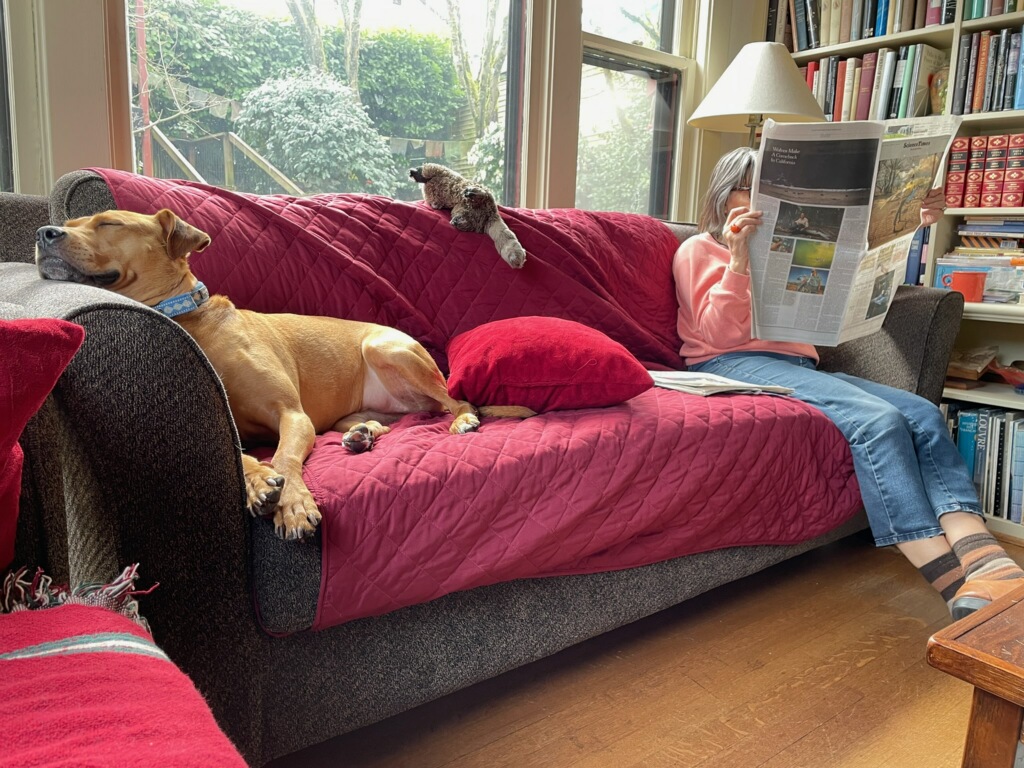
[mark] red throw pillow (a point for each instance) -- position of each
(35, 354)
(544, 363)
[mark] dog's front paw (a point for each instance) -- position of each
(467, 422)
(296, 516)
(263, 486)
(361, 437)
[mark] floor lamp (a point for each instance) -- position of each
(761, 82)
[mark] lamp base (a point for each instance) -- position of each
(754, 123)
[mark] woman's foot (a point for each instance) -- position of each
(978, 593)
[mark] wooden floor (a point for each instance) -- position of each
(817, 662)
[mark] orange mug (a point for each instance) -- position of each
(970, 284)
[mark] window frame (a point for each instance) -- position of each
(558, 47)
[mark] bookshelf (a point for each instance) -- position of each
(983, 323)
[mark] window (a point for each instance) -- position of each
(528, 148)
(304, 97)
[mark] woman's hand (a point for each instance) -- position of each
(933, 207)
(739, 226)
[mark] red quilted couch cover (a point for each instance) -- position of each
(427, 513)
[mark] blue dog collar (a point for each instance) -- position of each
(184, 302)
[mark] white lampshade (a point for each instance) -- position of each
(761, 82)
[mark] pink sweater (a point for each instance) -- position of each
(714, 305)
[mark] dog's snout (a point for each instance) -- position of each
(49, 235)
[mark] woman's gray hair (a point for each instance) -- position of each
(734, 169)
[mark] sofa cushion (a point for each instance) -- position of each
(86, 686)
(35, 353)
(665, 474)
(543, 363)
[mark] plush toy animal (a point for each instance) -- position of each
(472, 206)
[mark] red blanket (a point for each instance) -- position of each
(85, 686)
(427, 513)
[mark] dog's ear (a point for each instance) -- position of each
(181, 238)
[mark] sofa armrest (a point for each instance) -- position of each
(912, 349)
(141, 418)
(21, 216)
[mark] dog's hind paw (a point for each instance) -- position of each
(467, 422)
(361, 437)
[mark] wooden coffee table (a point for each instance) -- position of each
(986, 649)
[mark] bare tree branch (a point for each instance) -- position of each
(304, 14)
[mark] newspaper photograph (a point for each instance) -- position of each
(841, 204)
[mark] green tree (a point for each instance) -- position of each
(304, 14)
(488, 158)
(614, 168)
(314, 130)
(216, 48)
(408, 84)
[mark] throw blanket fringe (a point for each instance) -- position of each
(21, 593)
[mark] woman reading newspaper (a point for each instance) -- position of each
(915, 487)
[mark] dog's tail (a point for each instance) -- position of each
(505, 411)
(506, 242)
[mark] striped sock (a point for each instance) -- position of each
(983, 558)
(945, 574)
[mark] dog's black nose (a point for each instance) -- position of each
(49, 235)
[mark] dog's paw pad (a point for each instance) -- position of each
(359, 439)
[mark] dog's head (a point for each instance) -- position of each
(140, 256)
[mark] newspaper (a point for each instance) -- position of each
(697, 383)
(841, 204)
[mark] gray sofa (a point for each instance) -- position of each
(160, 483)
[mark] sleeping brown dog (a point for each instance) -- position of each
(288, 377)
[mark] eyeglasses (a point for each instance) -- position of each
(741, 189)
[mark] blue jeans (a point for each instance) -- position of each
(909, 470)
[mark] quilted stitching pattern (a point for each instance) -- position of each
(427, 513)
(375, 259)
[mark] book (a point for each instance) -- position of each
(857, 20)
(893, 105)
(883, 84)
(927, 62)
(834, 21)
(1005, 461)
(999, 80)
(907, 83)
(1017, 473)
(989, 74)
(840, 91)
(972, 73)
(881, 16)
(812, 22)
(797, 21)
(895, 6)
(840, 203)
(981, 70)
(962, 64)
(850, 104)
(1012, 71)
(704, 384)
(966, 437)
(825, 23)
(845, 20)
(933, 15)
(992, 487)
(981, 451)
(867, 82)
(868, 19)
(906, 21)
(914, 258)
(920, 13)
